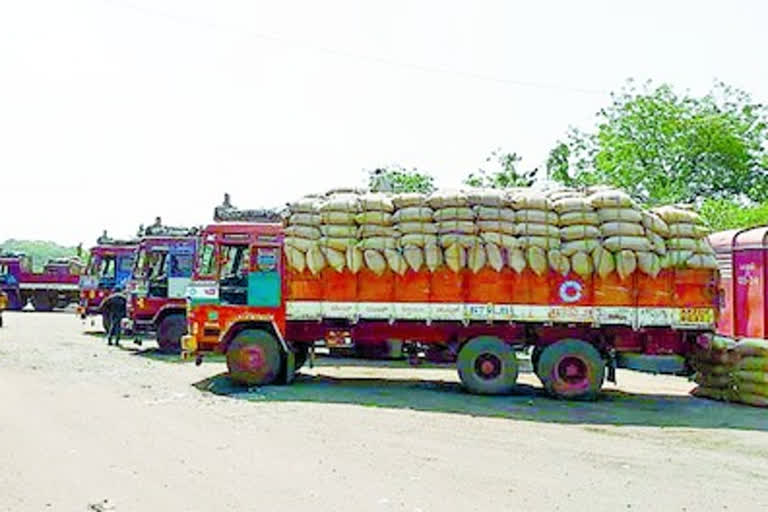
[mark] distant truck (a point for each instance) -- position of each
(55, 287)
(102, 286)
(157, 288)
(246, 302)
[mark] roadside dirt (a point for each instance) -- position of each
(81, 423)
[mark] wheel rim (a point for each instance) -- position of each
(488, 366)
(573, 372)
(250, 358)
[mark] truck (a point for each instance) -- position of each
(103, 284)
(245, 302)
(55, 286)
(157, 287)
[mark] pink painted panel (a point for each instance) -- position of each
(749, 304)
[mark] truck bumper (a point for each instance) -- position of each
(188, 346)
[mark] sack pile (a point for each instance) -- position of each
(732, 371)
(593, 231)
(687, 244)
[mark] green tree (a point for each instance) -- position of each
(397, 179)
(39, 250)
(722, 214)
(665, 147)
(506, 175)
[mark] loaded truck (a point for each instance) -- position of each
(102, 286)
(157, 288)
(246, 301)
(55, 286)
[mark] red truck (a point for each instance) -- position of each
(102, 286)
(245, 302)
(56, 286)
(157, 288)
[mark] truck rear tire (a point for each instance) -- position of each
(487, 366)
(571, 369)
(254, 358)
(169, 333)
(300, 357)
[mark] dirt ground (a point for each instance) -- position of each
(81, 423)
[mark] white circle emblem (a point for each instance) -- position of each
(571, 291)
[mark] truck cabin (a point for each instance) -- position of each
(111, 267)
(63, 267)
(165, 261)
(244, 259)
(12, 265)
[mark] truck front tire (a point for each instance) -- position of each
(571, 369)
(487, 366)
(169, 333)
(254, 358)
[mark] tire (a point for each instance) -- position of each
(535, 358)
(170, 331)
(571, 369)
(254, 358)
(300, 357)
(487, 366)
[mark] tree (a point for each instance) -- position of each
(722, 214)
(507, 175)
(396, 179)
(664, 147)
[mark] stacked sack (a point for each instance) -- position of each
(687, 244)
(496, 229)
(732, 371)
(537, 230)
(579, 232)
(625, 245)
(416, 231)
(303, 233)
(377, 237)
(456, 229)
(338, 229)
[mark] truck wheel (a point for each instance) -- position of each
(42, 302)
(170, 331)
(254, 358)
(487, 366)
(535, 358)
(300, 357)
(571, 369)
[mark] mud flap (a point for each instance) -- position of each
(290, 367)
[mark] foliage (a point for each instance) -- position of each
(398, 179)
(722, 214)
(506, 176)
(664, 147)
(40, 250)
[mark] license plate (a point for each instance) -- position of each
(697, 316)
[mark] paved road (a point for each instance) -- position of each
(81, 422)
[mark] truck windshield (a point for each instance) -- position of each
(233, 278)
(107, 268)
(206, 263)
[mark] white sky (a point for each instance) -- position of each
(115, 111)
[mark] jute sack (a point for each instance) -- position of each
(571, 204)
(675, 258)
(376, 202)
(337, 260)
(454, 213)
(654, 223)
(379, 243)
(611, 199)
(295, 258)
(543, 242)
(586, 245)
(687, 244)
(603, 261)
(455, 257)
(305, 205)
(407, 199)
(305, 219)
(532, 216)
(414, 257)
(649, 263)
(348, 203)
(396, 261)
(750, 399)
(549, 230)
(426, 228)
(299, 231)
(579, 232)
(658, 244)
(343, 218)
(619, 215)
(302, 244)
(529, 201)
(417, 239)
(462, 227)
(703, 261)
(375, 261)
(476, 258)
(447, 199)
(751, 347)
(581, 264)
(753, 388)
(413, 214)
(757, 377)
(338, 230)
(503, 214)
(486, 197)
(574, 218)
(495, 257)
(495, 226)
(354, 257)
(380, 218)
(315, 260)
(684, 230)
(433, 257)
(537, 260)
(633, 243)
(459, 239)
(753, 363)
(371, 230)
(675, 214)
(559, 262)
(621, 229)
(516, 260)
(712, 393)
(500, 239)
(340, 244)
(626, 263)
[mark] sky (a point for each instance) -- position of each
(113, 112)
